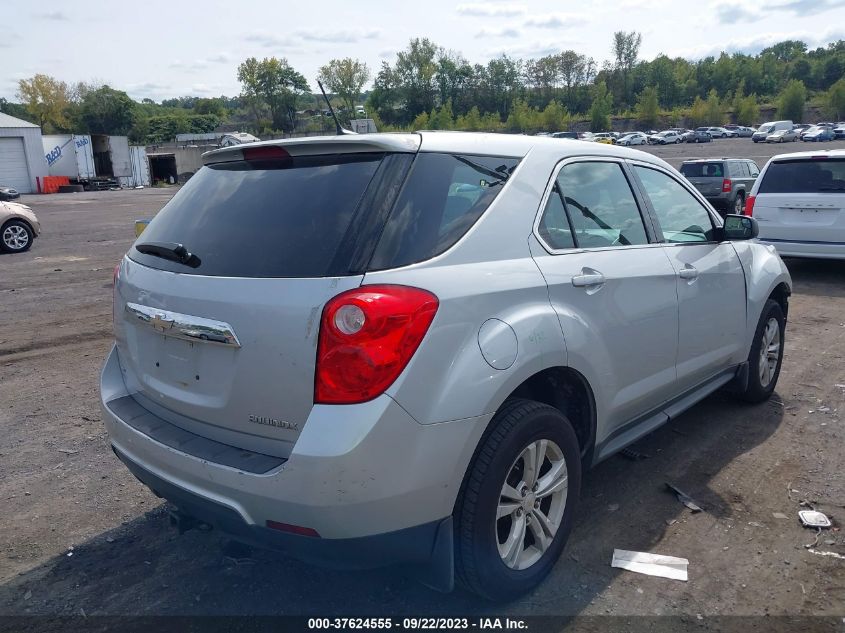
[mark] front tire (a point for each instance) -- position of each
(15, 237)
(517, 503)
(766, 356)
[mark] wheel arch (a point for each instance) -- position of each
(567, 390)
(22, 220)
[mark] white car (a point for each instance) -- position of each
(799, 203)
(633, 138)
(665, 137)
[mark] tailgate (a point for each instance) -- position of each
(222, 356)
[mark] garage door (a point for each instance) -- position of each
(13, 170)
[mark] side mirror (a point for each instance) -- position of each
(140, 225)
(740, 227)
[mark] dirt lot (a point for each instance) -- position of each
(79, 535)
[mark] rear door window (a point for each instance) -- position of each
(268, 218)
(822, 175)
(443, 196)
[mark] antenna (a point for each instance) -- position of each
(340, 130)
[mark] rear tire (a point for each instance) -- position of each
(766, 356)
(739, 203)
(503, 544)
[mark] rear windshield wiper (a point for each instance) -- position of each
(171, 251)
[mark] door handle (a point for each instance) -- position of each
(586, 279)
(688, 272)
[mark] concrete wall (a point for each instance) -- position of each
(34, 150)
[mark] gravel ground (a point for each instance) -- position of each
(79, 535)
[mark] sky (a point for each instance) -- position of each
(156, 49)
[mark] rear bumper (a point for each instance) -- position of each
(366, 471)
(816, 250)
(421, 544)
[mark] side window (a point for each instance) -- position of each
(753, 169)
(442, 197)
(738, 169)
(599, 205)
(554, 225)
(681, 216)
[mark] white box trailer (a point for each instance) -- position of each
(70, 155)
(140, 166)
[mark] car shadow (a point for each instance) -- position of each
(817, 277)
(146, 568)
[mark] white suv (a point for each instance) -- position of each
(799, 202)
(405, 348)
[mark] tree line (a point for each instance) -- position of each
(430, 87)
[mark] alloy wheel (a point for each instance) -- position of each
(15, 237)
(531, 504)
(769, 352)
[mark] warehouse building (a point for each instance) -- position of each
(21, 154)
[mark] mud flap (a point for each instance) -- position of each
(439, 573)
(739, 383)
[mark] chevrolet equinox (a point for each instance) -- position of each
(406, 349)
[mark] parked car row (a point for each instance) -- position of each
(772, 132)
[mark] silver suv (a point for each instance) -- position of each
(380, 349)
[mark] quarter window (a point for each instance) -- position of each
(681, 216)
(592, 206)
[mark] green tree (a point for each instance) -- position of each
(107, 111)
(472, 121)
(648, 107)
(626, 48)
(698, 113)
(421, 122)
(714, 113)
(554, 117)
(210, 106)
(600, 109)
(746, 110)
(415, 70)
(490, 122)
(277, 84)
(47, 101)
(443, 118)
(835, 101)
(345, 78)
(792, 100)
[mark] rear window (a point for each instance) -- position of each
(442, 198)
(825, 175)
(703, 170)
(279, 218)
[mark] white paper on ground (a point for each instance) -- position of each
(651, 564)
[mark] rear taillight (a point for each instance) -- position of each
(749, 206)
(264, 152)
(367, 337)
(727, 185)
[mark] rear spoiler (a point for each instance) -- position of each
(315, 145)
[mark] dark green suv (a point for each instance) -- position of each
(725, 182)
